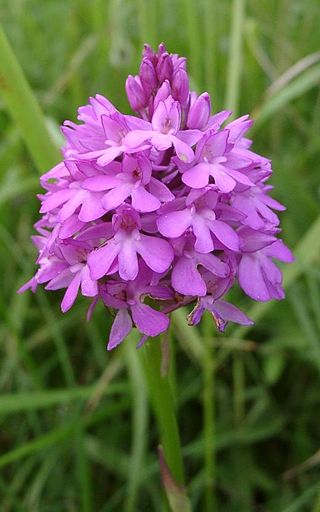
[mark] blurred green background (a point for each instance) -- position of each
(76, 433)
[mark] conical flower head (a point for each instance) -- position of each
(167, 208)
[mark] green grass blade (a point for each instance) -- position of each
(290, 92)
(18, 402)
(24, 108)
(235, 56)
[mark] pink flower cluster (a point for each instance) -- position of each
(152, 212)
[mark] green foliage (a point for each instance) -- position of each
(75, 431)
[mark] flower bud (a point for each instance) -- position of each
(148, 76)
(180, 86)
(199, 112)
(135, 93)
(164, 67)
(162, 94)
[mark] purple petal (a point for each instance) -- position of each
(213, 264)
(102, 182)
(120, 329)
(160, 190)
(100, 260)
(56, 199)
(143, 201)
(70, 206)
(224, 182)
(184, 152)
(137, 137)
(149, 321)
(202, 233)
(70, 227)
(116, 196)
(89, 288)
(157, 253)
(109, 155)
(174, 224)
(190, 137)
(280, 251)
(218, 143)
(71, 293)
(239, 177)
(128, 260)
(252, 240)
(251, 278)
(91, 208)
(186, 279)
(197, 176)
(225, 234)
(230, 313)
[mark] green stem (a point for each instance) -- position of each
(24, 108)
(209, 425)
(163, 406)
(235, 54)
(139, 423)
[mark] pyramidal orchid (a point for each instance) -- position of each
(154, 211)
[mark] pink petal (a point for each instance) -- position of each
(186, 279)
(218, 143)
(70, 206)
(197, 176)
(161, 141)
(91, 208)
(120, 329)
(109, 155)
(89, 288)
(213, 264)
(71, 293)
(102, 182)
(137, 137)
(143, 201)
(224, 182)
(157, 253)
(225, 234)
(116, 196)
(174, 224)
(149, 321)
(240, 177)
(251, 278)
(62, 280)
(160, 190)
(70, 227)
(184, 152)
(56, 199)
(230, 313)
(128, 260)
(190, 137)
(280, 251)
(202, 233)
(100, 260)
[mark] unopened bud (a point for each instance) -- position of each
(180, 86)
(135, 93)
(164, 67)
(162, 94)
(148, 77)
(199, 112)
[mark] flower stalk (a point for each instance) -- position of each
(163, 407)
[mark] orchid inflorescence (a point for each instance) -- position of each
(153, 212)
